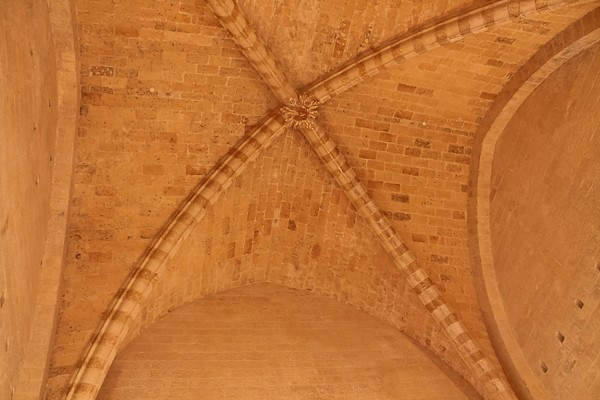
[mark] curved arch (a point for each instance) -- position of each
(576, 38)
(411, 45)
(284, 314)
(64, 35)
(491, 382)
(124, 313)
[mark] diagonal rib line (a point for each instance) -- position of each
(231, 16)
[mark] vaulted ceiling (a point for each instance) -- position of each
(198, 168)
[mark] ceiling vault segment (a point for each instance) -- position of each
(411, 45)
(252, 46)
(125, 311)
(301, 114)
(123, 314)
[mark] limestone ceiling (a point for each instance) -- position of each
(170, 106)
(314, 37)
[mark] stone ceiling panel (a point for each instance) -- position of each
(313, 37)
(268, 342)
(165, 94)
(408, 133)
(285, 221)
(544, 220)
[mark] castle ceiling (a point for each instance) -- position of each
(199, 168)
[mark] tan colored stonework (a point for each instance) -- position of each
(270, 342)
(563, 47)
(539, 281)
(29, 113)
(187, 183)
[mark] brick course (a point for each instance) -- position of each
(271, 342)
(143, 114)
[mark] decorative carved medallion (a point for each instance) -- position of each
(301, 112)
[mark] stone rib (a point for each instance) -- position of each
(406, 47)
(33, 377)
(233, 19)
(91, 374)
(568, 44)
(126, 310)
(493, 383)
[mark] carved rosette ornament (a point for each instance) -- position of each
(301, 112)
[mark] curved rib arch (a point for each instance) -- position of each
(410, 46)
(38, 353)
(491, 382)
(124, 312)
(578, 37)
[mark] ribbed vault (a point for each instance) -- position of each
(170, 93)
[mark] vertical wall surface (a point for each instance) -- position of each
(27, 135)
(545, 220)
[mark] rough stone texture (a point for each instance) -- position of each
(165, 95)
(313, 37)
(322, 245)
(271, 342)
(408, 134)
(487, 378)
(544, 226)
(27, 135)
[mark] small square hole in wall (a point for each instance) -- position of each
(598, 266)
(579, 303)
(560, 336)
(544, 367)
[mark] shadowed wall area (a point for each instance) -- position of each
(27, 134)
(267, 341)
(545, 237)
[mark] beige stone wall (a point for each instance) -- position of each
(286, 221)
(408, 133)
(272, 342)
(314, 37)
(165, 95)
(28, 105)
(544, 222)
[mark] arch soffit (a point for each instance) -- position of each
(575, 39)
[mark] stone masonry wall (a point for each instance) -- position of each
(271, 342)
(27, 135)
(165, 93)
(544, 226)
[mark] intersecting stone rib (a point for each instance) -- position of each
(123, 315)
(253, 48)
(492, 382)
